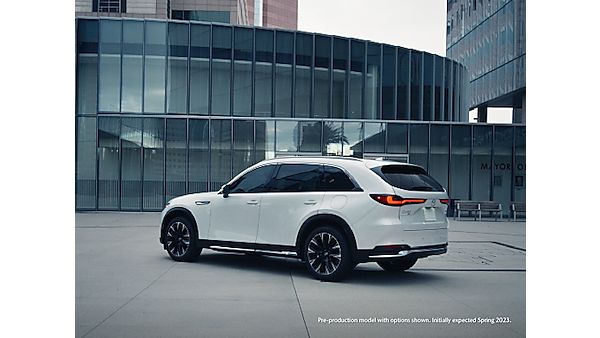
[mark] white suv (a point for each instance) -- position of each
(330, 212)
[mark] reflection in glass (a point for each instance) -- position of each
(397, 138)
(220, 155)
(243, 145)
(460, 162)
(339, 83)
(176, 158)
(333, 138)
(221, 71)
(403, 86)
(153, 149)
(110, 66)
(87, 66)
(263, 89)
(85, 183)
(283, 73)
(372, 88)
(131, 164)
(388, 89)
(482, 162)
(177, 69)
(132, 91)
(310, 136)
(199, 69)
(242, 68)
(428, 87)
(374, 137)
(265, 140)
(439, 85)
(439, 153)
(108, 163)
(198, 156)
(154, 67)
(448, 91)
(419, 144)
(304, 53)
(357, 62)
(286, 134)
(353, 134)
(322, 66)
(416, 82)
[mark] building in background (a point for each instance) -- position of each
(267, 13)
(165, 108)
(488, 38)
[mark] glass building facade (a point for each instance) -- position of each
(165, 108)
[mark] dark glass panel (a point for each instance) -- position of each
(397, 138)
(198, 156)
(416, 83)
(340, 82)
(520, 163)
(131, 164)
(221, 42)
(153, 152)
(373, 89)
(132, 91)
(285, 47)
(448, 91)
(110, 66)
(243, 145)
(357, 63)
(428, 87)
(439, 153)
(263, 88)
(199, 41)
(321, 77)
(176, 158)
(87, 36)
(108, 163)
(304, 55)
(87, 66)
(283, 90)
(265, 140)
(243, 44)
(154, 67)
(264, 46)
(199, 69)
(403, 86)
(220, 155)
(460, 162)
(296, 178)
(335, 179)
(352, 144)
(419, 144)
(439, 85)
(503, 165)
(85, 184)
(221, 87)
(242, 68)
(310, 136)
(254, 181)
(482, 162)
(304, 49)
(177, 85)
(388, 88)
(374, 137)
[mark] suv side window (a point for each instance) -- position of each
(335, 179)
(254, 181)
(296, 178)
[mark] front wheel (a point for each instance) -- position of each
(327, 254)
(181, 240)
(397, 265)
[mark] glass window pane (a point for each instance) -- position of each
(416, 82)
(357, 62)
(221, 42)
(286, 135)
(388, 83)
(243, 145)
(322, 87)
(340, 83)
(264, 45)
(374, 137)
(153, 149)
(440, 153)
(304, 54)
(296, 178)
(283, 90)
(177, 80)
(353, 139)
(448, 91)
(254, 181)
(333, 138)
(87, 66)
(503, 142)
(335, 179)
(132, 91)
(176, 158)
(310, 137)
(199, 69)
(110, 66)
(460, 162)
(403, 87)
(131, 164)
(220, 156)
(397, 138)
(482, 162)
(520, 162)
(85, 186)
(154, 67)
(419, 144)
(242, 44)
(285, 47)
(263, 90)
(265, 140)
(221, 83)
(198, 152)
(428, 87)
(372, 89)
(108, 163)
(242, 68)
(439, 84)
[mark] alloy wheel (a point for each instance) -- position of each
(324, 253)
(178, 239)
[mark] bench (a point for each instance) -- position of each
(516, 207)
(468, 206)
(491, 207)
(479, 207)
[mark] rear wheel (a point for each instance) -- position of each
(397, 265)
(181, 240)
(327, 254)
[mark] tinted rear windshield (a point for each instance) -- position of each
(408, 178)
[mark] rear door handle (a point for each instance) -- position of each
(310, 202)
(252, 202)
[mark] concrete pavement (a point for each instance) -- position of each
(127, 286)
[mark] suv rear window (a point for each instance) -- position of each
(408, 178)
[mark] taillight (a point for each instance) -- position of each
(393, 200)
(444, 201)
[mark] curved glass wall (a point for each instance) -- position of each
(166, 108)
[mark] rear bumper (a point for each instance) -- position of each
(403, 251)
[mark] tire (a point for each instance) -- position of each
(397, 265)
(181, 240)
(327, 254)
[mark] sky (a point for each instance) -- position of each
(416, 24)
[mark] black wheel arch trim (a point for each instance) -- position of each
(174, 212)
(323, 220)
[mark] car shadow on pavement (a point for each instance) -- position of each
(284, 266)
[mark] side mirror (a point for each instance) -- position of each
(226, 190)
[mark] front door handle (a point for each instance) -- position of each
(202, 202)
(310, 202)
(252, 202)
